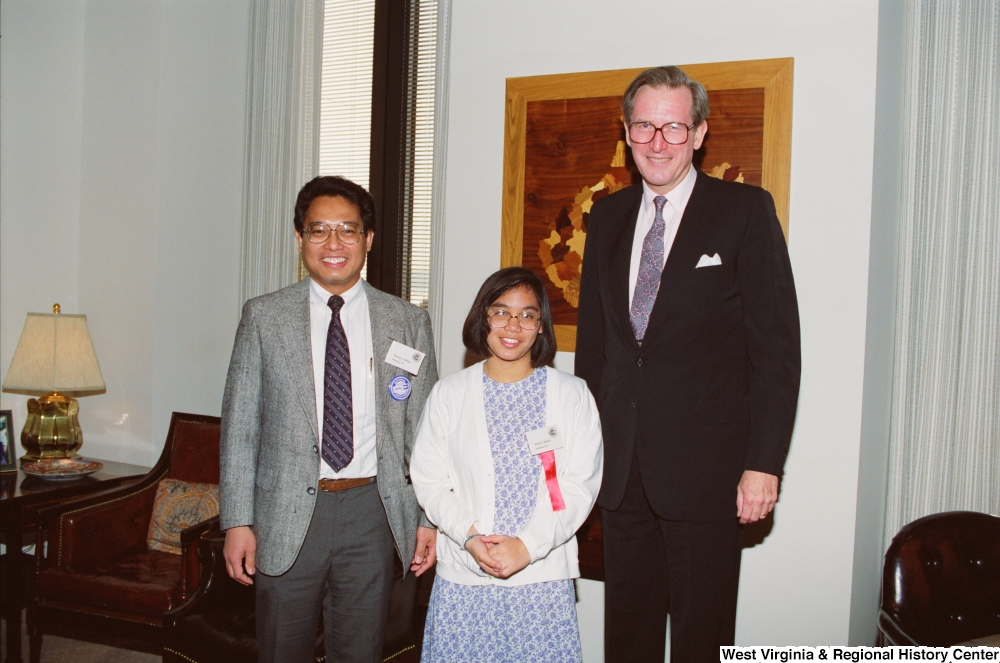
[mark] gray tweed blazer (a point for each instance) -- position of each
(269, 448)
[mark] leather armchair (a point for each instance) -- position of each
(941, 580)
(98, 571)
(217, 624)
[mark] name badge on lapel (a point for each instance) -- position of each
(404, 357)
(544, 439)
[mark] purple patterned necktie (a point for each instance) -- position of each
(338, 408)
(647, 282)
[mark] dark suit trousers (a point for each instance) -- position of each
(654, 566)
(344, 572)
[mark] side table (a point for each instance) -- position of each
(21, 496)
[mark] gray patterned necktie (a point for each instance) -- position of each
(650, 267)
(338, 407)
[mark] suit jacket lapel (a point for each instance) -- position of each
(386, 328)
(296, 337)
(619, 262)
(684, 254)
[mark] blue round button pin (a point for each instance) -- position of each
(399, 388)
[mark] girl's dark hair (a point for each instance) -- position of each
(328, 185)
(477, 329)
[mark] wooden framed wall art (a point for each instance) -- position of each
(564, 149)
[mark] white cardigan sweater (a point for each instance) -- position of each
(452, 473)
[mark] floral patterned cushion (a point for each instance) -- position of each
(179, 505)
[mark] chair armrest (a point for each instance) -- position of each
(192, 534)
(893, 632)
(216, 591)
(190, 570)
(209, 551)
(47, 515)
(95, 529)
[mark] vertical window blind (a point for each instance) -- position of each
(346, 94)
(423, 49)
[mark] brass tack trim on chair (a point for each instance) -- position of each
(401, 651)
(180, 655)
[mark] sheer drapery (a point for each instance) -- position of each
(436, 281)
(944, 447)
(281, 139)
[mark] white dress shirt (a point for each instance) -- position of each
(358, 327)
(673, 210)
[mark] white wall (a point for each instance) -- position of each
(41, 77)
(131, 115)
(796, 586)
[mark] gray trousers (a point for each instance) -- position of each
(344, 573)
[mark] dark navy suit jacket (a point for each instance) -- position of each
(712, 390)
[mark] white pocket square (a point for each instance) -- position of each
(709, 261)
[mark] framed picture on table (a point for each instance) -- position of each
(7, 449)
(564, 149)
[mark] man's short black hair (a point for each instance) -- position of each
(328, 185)
(477, 328)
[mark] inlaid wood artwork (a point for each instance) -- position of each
(565, 150)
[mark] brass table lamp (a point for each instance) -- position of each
(54, 358)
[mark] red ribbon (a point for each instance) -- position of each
(555, 495)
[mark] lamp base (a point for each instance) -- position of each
(51, 429)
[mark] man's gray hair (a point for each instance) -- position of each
(670, 77)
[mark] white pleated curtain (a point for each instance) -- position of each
(281, 137)
(944, 449)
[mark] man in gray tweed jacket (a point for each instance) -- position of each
(326, 384)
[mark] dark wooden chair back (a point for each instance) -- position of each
(194, 453)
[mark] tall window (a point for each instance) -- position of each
(377, 126)
(346, 89)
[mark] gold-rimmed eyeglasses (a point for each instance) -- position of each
(499, 318)
(675, 133)
(347, 233)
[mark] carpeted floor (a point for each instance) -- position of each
(56, 649)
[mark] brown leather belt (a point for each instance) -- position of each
(334, 485)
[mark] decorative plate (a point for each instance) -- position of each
(61, 469)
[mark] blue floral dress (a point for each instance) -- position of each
(534, 622)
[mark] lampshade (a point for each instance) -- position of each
(54, 353)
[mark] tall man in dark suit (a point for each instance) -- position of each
(688, 336)
(327, 382)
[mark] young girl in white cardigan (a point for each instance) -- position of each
(507, 463)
